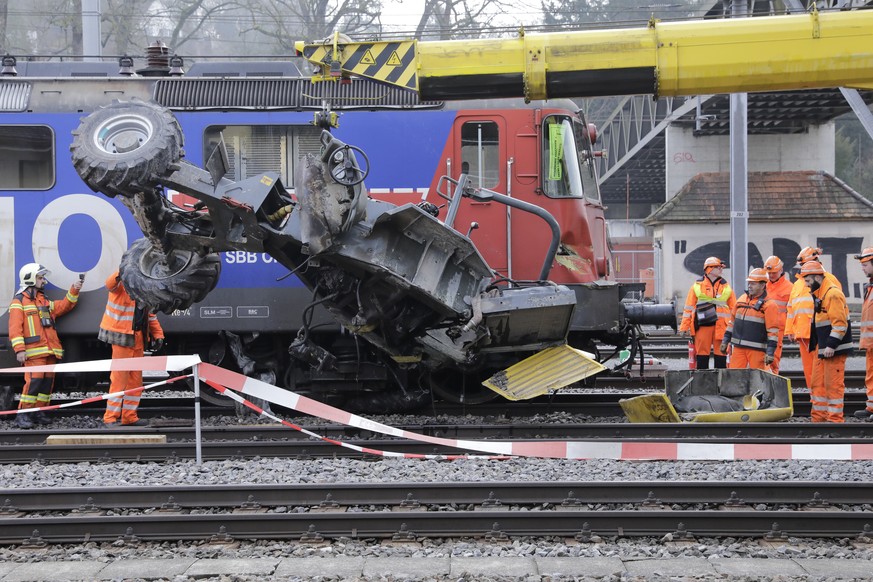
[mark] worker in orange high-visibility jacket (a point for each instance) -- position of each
(866, 330)
(778, 291)
(128, 328)
(831, 337)
(707, 311)
(800, 312)
(34, 339)
(753, 331)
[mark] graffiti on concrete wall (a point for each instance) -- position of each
(839, 250)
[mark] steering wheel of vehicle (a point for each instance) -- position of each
(345, 168)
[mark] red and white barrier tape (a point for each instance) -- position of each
(93, 398)
(376, 452)
(165, 363)
(577, 450)
(637, 451)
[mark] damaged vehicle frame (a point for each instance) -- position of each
(417, 290)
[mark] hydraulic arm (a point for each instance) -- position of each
(774, 53)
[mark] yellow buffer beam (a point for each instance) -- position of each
(774, 53)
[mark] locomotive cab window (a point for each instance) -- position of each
(480, 153)
(568, 164)
(27, 156)
(255, 149)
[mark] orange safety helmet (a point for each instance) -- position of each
(866, 255)
(712, 262)
(811, 268)
(808, 254)
(758, 274)
(773, 264)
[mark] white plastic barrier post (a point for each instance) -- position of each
(197, 436)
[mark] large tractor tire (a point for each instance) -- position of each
(126, 147)
(181, 280)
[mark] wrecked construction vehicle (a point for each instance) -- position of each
(430, 308)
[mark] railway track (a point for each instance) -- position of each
(220, 443)
(409, 512)
(593, 402)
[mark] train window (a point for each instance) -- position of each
(568, 168)
(587, 164)
(27, 155)
(480, 153)
(255, 149)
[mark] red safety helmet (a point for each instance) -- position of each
(773, 264)
(866, 255)
(712, 262)
(758, 274)
(808, 254)
(811, 268)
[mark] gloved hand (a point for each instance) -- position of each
(156, 345)
(768, 359)
(723, 347)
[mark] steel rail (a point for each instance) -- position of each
(567, 495)
(224, 450)
(413, 525)
(592, 403)
(764, 431)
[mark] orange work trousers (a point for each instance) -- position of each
(706, 342)
(38, 386)
(868, 379)
(124, 406)
(777, 356)
(747, 358)
(827, 388)
(806, 359)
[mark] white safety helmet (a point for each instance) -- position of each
(27, 275)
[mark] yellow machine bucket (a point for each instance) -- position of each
(542, 372)
(714, 396)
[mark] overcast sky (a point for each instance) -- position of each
(402, 14)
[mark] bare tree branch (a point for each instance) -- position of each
(285, 21)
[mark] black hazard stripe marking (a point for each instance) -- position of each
(407, 64)
(388, 57)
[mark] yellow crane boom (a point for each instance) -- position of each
(773, 53)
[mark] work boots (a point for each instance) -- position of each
(23, 421)
(40, 417)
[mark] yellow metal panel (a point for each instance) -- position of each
(649, 408)
(766, 415)
(542, 372)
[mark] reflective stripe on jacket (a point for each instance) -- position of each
(755, 324)
(800, 307)
(832, 326)
(26, 332)
(117, 325)
(719, 293)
